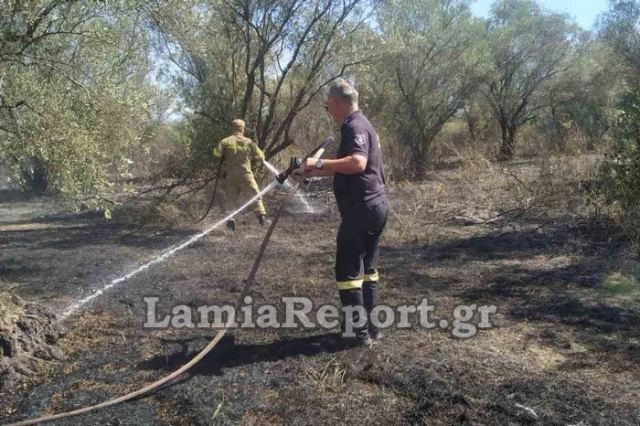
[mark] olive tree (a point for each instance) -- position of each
(262, 60)
(432, 62)
(72, 93)
(620, 28)
(530, 49)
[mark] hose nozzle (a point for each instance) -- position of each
(296, 162)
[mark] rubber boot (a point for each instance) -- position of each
(370, 298)
(351, 318)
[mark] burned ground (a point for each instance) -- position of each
(564, 348)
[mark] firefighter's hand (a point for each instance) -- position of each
(298, 175)
(309, 164)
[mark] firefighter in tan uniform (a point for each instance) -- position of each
(236, 153)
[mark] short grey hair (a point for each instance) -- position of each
(343, 90)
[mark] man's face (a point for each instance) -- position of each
(333, 108)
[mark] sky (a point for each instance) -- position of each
(584, 12)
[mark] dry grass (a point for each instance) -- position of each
(518, 235)
(330, 375)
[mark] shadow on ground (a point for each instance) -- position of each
(534, 289)
(229, 354)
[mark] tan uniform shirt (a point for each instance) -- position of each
(238, 151)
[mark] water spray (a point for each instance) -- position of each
(168, 253)
(249, 282)
(300, 196)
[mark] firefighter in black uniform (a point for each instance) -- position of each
(358, 186)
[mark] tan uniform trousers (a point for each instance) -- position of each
(237, 188)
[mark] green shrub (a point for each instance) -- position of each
(620, 173)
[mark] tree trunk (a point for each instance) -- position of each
(508, 140)
(33, 175)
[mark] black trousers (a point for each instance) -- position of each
(357, 260)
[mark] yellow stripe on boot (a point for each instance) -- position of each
(372, 277)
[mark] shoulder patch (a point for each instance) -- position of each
(360, 139)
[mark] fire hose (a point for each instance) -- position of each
(249, 282)
(213, 194)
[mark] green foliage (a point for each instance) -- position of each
(264, 61)
(620, 27)
(581, 104)
(72, 97)
(530, 51)
(76, 105)
(78, 143)
(620, 173)
(433, 61)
